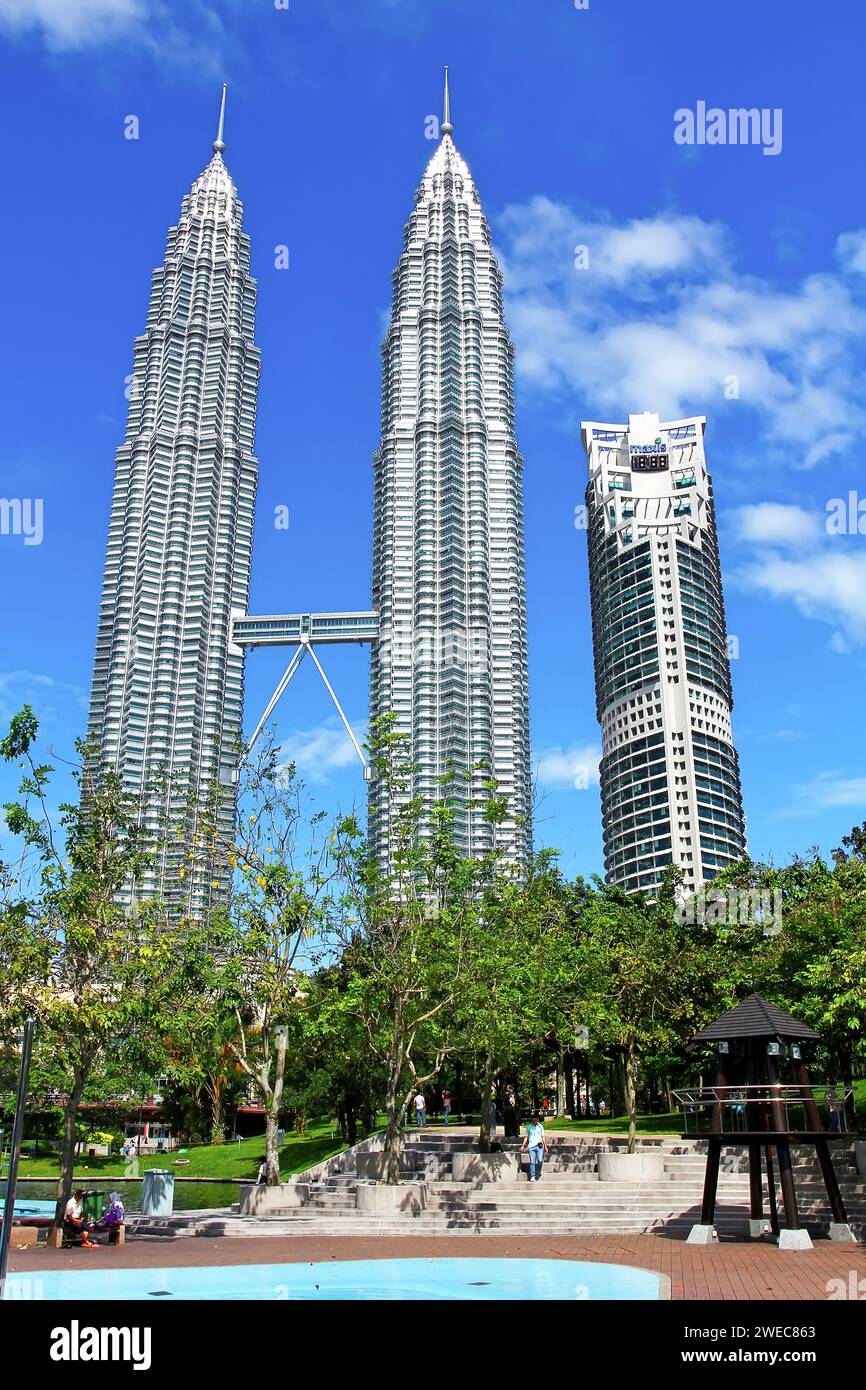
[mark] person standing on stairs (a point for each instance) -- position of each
(535, 1141)
(420, 1110)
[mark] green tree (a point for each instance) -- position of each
(403, 931)
(651, 976)
(95, 978)
(251, 958)
(520, 985)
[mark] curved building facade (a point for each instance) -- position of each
(448, 539)
(166, 704)
(670, 781)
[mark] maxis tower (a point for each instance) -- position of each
(670, 779)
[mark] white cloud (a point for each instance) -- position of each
(660, 319)
(792, 557)
(776, 523)
(192, 35)
(73, 23)
(575, 767)
(851, 251)
(826, 792)
(44, 693)
(320, 751)
(824, 585)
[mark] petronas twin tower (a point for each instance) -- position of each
(448, 545)
(450, 650)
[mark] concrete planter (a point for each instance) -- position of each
(256, 1199)
(638, 1167)
(860, 1156)
(475, 1167)
(373, 1167)
(379, 1199)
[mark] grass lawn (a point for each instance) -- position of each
(646, 1124)
(232, 1161)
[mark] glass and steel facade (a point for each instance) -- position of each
(448, 535)
(167, 697)
(670, 782)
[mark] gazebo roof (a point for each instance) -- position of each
(755, 1018)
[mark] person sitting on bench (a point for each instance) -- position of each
(75, 1225)
(113, 1218)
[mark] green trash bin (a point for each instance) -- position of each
(92, 1206)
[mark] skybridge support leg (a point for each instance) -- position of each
(297, 658)
(346, 725)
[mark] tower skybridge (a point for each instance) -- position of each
(304, 631)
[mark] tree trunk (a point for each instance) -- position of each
(560, 1083)
(273, 1105)
(393, 1144)
(569, 1084)
(272, 1148)
(511, 1113)
(217, 1119)
(848, 1078)
(488, 1100)
(395, 1113)
(631, 1097)
(67, 1143)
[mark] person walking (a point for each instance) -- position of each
(446, 1106)
(420, 1110)
(535, 1141)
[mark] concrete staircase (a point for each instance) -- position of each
(569, 1200)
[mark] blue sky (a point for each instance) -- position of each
(706, 263)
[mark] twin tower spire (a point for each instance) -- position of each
(219, 142)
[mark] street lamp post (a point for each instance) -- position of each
(15, 1150)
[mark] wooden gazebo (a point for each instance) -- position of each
(751, 1105)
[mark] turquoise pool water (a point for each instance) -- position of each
(437, 1279)
(31, 1206)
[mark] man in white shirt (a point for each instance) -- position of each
(420, 1111)
(74, 1224)
(534, 1140)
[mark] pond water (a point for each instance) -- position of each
(188, 1196)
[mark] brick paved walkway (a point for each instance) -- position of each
(730, 1270)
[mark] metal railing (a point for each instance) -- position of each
(810, 1109)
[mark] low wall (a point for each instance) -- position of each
(636, 1167)
(475, 1167)
(257, 1198)
(378, 1198)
